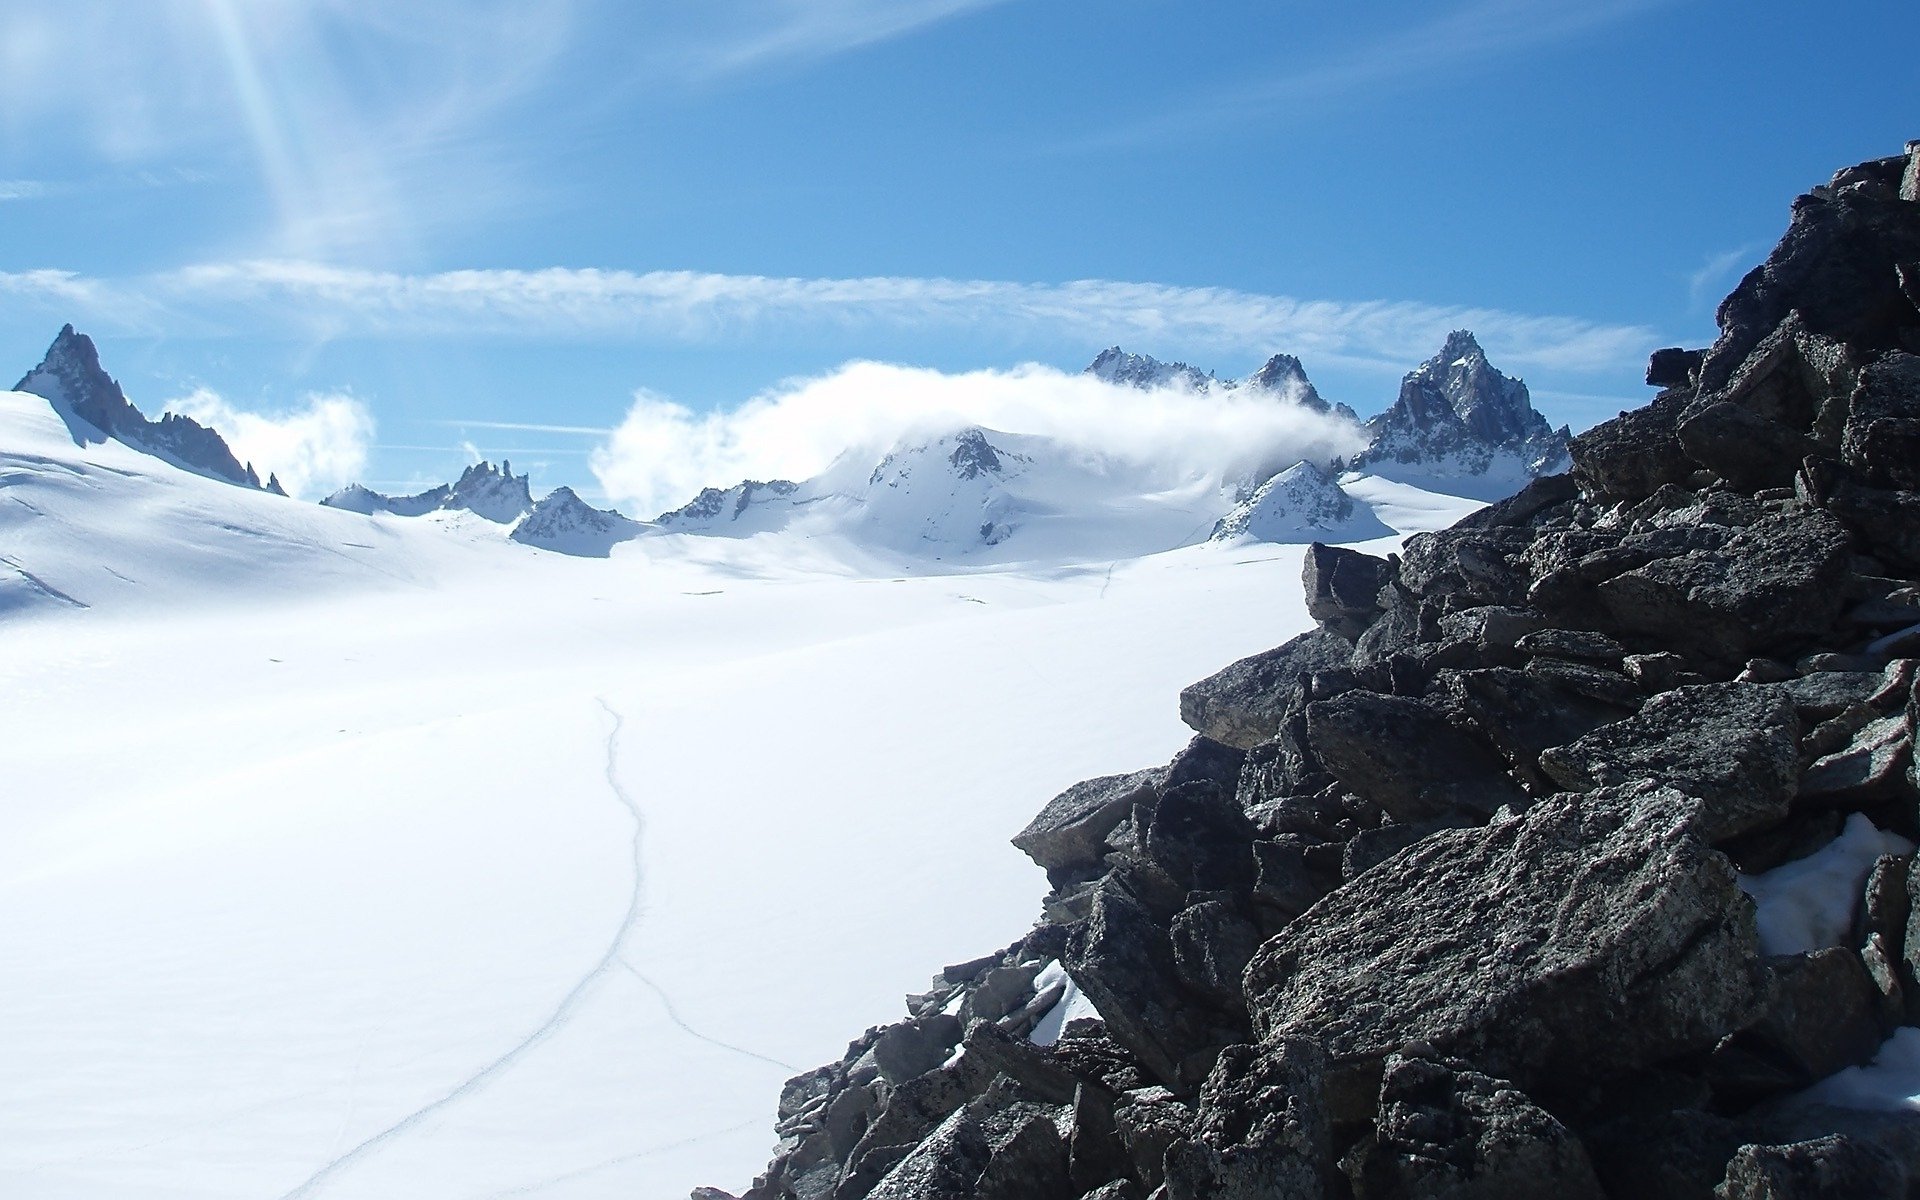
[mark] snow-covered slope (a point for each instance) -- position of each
(364, 856)
(98, 524)
(986, 497)
(1300, 504)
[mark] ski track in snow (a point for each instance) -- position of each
(666, 1003)
(555, 1021)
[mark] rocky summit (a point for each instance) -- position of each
(1571, 856)
(90, 401)
(1457, 415)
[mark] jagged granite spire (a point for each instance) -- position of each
(90, 401)
(1455, 411)
(1116, 366)
(495, 493)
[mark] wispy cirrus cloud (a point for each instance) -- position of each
(1708, 281)
(314, 300)
(1435, 49)
(750, 35)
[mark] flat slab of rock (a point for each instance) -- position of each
(1590, 937)
(1733, 746)
(1242, 705)
(1407, 757)
(1776, 580)
(1070, 833)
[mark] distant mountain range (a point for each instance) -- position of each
(1457, 426)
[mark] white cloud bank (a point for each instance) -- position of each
(663, 453)
(314, 448)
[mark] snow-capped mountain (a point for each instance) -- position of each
(1284, 375)
(493, 493)
(1459, 419)
(749, 506)
(1302, 503)
(95, 409)
(565, 523)
(1116, 366)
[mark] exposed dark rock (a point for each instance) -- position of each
(1261, 1130)
(994, 1148)
(912, 1048)
(1818, 1170)
(1212, 944)
(1835, 268)
(1871, 766)
(90, 401)
(1202, 840)
(1243, 704)
(1775, 582)
(1820, 1014)
(1123, 959)
(1525, 713)
(1343, 588)
(1593, 936)
(1069, 835)
(1634, 455)
(1735, 747)
(1407, 757)
(1448, 1132)
(1673, 367)
(1678, 1155)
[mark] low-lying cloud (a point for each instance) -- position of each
(663, 453)
(314, 448)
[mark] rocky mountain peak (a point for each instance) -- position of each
(494, 493)
(1117, 366)
(1284, 375)
(70, 375)
(973, 456)
(71, 378)
(1456, 413)
(565, 523)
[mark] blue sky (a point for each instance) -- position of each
(413, 226)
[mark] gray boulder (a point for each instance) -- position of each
(1405, 756)
(1447, 1132)
(1243, 704)
(1733, 746)
(1590, 937)
(994, 1148)
(1776, 581)
(1261, 1130)
(1343, 588)
(1823, 1169)
(1068, 837)
(1123, 959)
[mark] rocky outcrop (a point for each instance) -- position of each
(1471, 892)
(492, 493)
(71, 379)
(566, 524)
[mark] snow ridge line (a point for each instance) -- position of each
(666, 1002)
(555, 1020)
